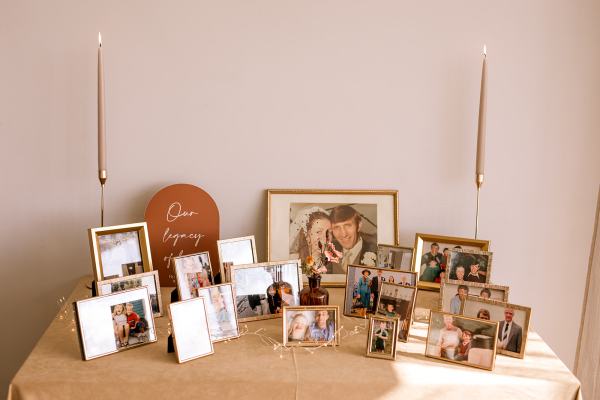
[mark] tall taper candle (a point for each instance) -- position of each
(479, 167)
(101, 131)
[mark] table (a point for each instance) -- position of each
(254, 367)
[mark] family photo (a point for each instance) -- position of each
(394, 257)
(381, 342)
(462, 340)
(513, 323)
(220, 311)
(470, 265)
(347, 231)
(147, 279)
(397, 301)
(192, 273)
(120, 254)
(453, 293)
(310, 325)
(363, 285)
(130, 324)
(262, 290)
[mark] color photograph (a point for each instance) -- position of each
(394, 257)
(470, 265)
(192, 273)
(311, 326)
(453, 293)
(147, 279)
(381, 342)
(220, 310)
(397, 301)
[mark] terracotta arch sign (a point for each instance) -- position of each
(182, 219)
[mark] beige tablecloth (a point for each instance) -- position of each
(253, 366)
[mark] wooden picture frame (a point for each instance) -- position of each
(101, 237)
(226, 246)
(374, 340)
(253, 283)
(482, 352)
(450, 287)
(393, 291)
(226, 291)
(147, 279)
(423, 240)
(189, 326)
(192, 272)
(306, 316)
(293, 215)
(495, 309)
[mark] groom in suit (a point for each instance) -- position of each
(358, 248)
(509, 333)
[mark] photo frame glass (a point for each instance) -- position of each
(115, 322)
(345, 226)
(394, 257)
(192, 272)
(363, 286)
(397, 302)
(311, 326)
(220, 311)
(381, 341)
(147, 279)
(462, 340)
(262, 290)
(190, 329)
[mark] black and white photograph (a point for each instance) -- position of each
(311, 326)
(397, 301)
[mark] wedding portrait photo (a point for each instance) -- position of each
(381, 342)
(398, 302)
(394, 257)
(470, 265)
(220, 311)
(363, 285)
(462, 340)
(192, 272)
(453, 293)
(311, 326)
(147, 279)
(262, 290)
(513, 323)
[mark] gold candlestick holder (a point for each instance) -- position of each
(102, 175)
(479, 183)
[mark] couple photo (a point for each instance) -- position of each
(348, 232)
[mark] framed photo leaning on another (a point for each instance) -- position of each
(311, 326)
(469, 265)
(114, 322)
(262, 290)
(431, 256)
(363, 285)
(513, 323)
(121, 250)
(192, 272)
(347, 223)
(381, 340)
(237, 251)
(462, 340)
(397, 301)
(453, 293)
(220, 310)
(147, 279)
(191, 334)
(394, 257)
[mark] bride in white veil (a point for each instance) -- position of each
(307, 230)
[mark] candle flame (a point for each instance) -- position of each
(485, 50)
(100, 39)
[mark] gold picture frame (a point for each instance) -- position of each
(389, 247)
(372, 332)
(407, 322)
(94, 235)
(224, 271)
(524, 326)
(102, 290)
(180, 279)
(446, 241)
(300, 311)
(444, 289)
(176, 328)
(483, 354)
(241, 282)
(233, 312)
(288, 211)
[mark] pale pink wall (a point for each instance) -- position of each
(240, 96)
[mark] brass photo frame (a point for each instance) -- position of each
(407, 321)
(300, 312)
(189, 323)
(126, 283)
(94, 235)
(394, 250)
(443, 241)
(183, 288)
(474, 287)
(228, 242)
(372, 340)
(205, 293)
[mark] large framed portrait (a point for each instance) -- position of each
(462, 340)
(394, 257)
(191, 335)
(453, 293)
(192, 272)
(121, 250)
(220, 310)
(363, 285)
(147, 279)
(397, 301)
(262, 290)
(347, 224)
(469, 265)
(311, 326)
(237, 251)
(381, 342)
(513, 323)
(115, 322)
(431, 256)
